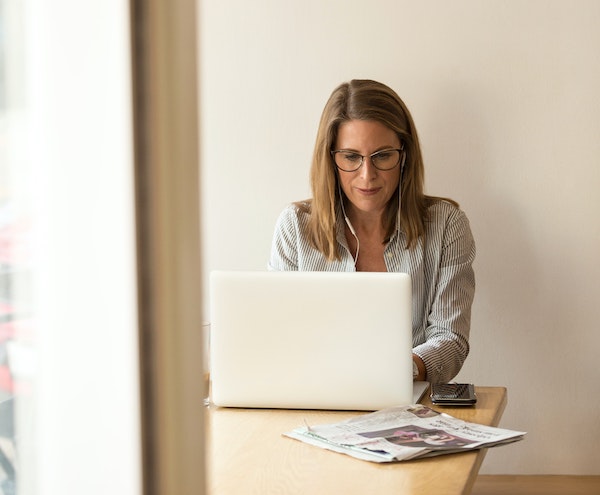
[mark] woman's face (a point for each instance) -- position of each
(368, 189)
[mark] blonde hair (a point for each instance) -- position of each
(365, 100)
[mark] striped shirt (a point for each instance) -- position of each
(443, 282)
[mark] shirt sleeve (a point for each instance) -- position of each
(284, 248)
(446, 343)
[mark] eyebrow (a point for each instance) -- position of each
(383, 148)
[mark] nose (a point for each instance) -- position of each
(368, 170)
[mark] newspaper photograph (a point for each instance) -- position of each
(403, 433)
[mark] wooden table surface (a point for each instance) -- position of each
(247, 454)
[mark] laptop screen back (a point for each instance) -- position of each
(311, 340)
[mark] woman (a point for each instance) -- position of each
(369, 213)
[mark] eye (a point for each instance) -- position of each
(351, 157)
(383, 155)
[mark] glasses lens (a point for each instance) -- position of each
(348, 161)
(386, 159)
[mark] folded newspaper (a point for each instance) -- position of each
(403, 433)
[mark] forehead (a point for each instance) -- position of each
(365, 135)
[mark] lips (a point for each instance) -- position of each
(368, 192)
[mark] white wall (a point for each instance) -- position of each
(505, 97)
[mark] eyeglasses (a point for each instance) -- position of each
(350, 161)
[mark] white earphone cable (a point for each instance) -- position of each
(347, 220)
(398, 217)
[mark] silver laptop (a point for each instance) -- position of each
(311, 340)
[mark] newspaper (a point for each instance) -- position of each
(403, 433)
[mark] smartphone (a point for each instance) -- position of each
(453, 394)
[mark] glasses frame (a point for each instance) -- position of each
(362, 159)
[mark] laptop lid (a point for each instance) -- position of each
(311, 340)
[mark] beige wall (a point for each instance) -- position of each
(505, 97)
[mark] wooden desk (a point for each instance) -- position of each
(247, 454)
